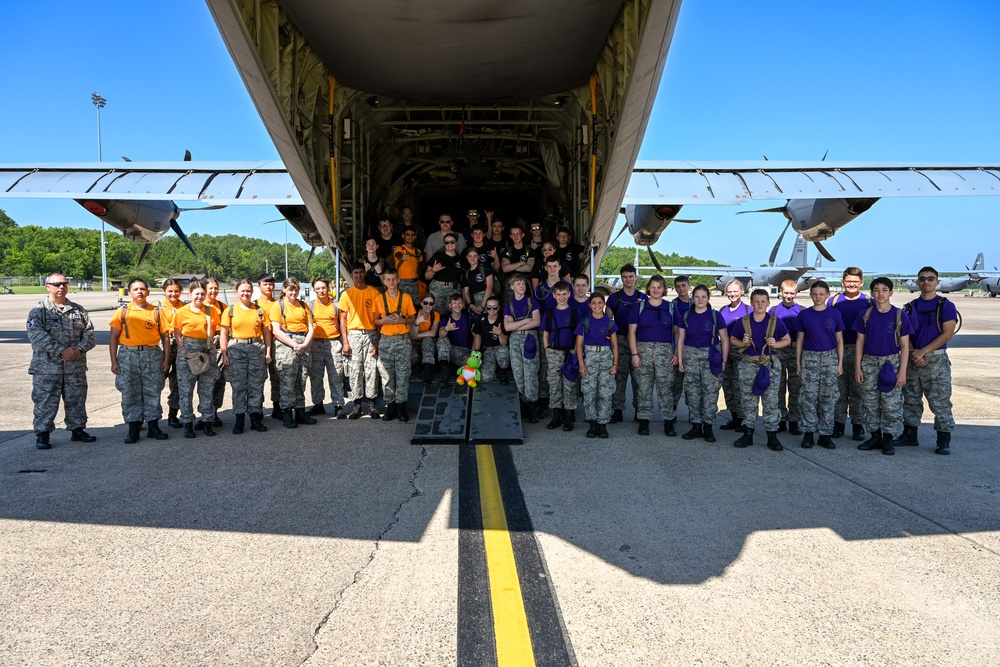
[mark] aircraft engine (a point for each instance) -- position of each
(140, 221)
(991, 286)
(646, 222)
(819, 219)
(303, 223)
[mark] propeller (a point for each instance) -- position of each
(182, 236)
(777, 244)
(652, 257)
(145, 251)
(624, 227)
(823, 251)
(312, 251)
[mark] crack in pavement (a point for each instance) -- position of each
(371, 557)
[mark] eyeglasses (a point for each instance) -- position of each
(472, 215)
(536, 229)
(450, 242)
(427, 303)
(492, 307)
(444, 221)
(60, 284)
(920, 279)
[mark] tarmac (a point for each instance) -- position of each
(338, 544)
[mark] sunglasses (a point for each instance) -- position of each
(536, 229)
(427, 303)
(472, 215)
(60, 284)
(450, 242)
(492, 307)
(921, 279)
(444, 221)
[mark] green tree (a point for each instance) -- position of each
(6, 222)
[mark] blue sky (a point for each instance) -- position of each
(913, 82)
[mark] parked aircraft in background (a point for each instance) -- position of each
(974, 275)
(990, 285)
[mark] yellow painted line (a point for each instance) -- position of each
(510, 622)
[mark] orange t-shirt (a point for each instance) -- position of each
(194, 325)
(407, 261)
(141, 325)
(403, 303)
(327, 319)
(359, 305)
(428, 323)
(245, 322)
(296, 318)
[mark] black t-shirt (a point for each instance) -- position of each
(570, 256)
(515, 255)
(475, 279)
(452, 271)
(538, 271)
(484, 329)
(373, 272)
(385, 247)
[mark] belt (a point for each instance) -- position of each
(888, 357)
(445, 282)
(393, 335)
(238, 341)
(199, 340)
(294, 333)
(407, 280)
(142, 347)
(935, 353)
(362, 330)
(596, 348)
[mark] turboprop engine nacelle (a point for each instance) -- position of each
(646, 222)
(819, 219)
(140, 221)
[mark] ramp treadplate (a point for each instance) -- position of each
(442, 416)
(496, 415)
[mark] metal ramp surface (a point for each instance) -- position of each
(442, 417)
(496, 415)
(450, 414)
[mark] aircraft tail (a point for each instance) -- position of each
(799, 258)
(980, 262)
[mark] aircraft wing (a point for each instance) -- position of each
(219, 183)
(658, 182)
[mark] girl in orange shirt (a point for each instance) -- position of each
(194, 327)
(212, 289)
(292, 327)
(245, 345)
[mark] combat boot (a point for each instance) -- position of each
(782, 426)
(216, 421)
(643, 427)
(390, 413)
(887, 447)
(707, 430)
(617, 417)
(42, 440)
(154, 431)
(302, 418)
(734, 421)
(857, 432)
(372, 410)
(277, 413)
(908, 438)
(189, 430)
(570, 420)
(772, 441)
(172, 420)
(874, 442)
(744, 440)
(838, 429)
(826, 442)
(807, 441)
(695, 432)
(356, 411)
(793, 428)
(288, 419)
(404, 416)
(592, 431)
(428, 373)
(505, 375)
(338, 412)
(79, 435)
(257, 422)
(532, 412)
(602, 431)
(668, 428)
(317, 409)
(209, 429)
(134, 428)
(943, 443)
(557, 419)
(240, 423)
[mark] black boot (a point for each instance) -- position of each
(277, 413)
(533, 412)
(887, 447)
(338, 412)
(505, 375)
(807, 441)
(172, 420)
(643, 427)
(707, 430)
(782, 426)
(134, 428)
(372, 410)
(288, 419)
(744, 440)
(943, 443)
(617, 417)
(772, 441)
(557, 419)
(734, 421)
(217, 422)
(542, 407)
(570, 420)
(210, 429)
(695, 432)
(79, 435)
(257, 422)
(317, 409)
(240, 423)
(404, 416)
(154, 431)
(908, 438)
(826, 442)
(592, 431)
(390, 413)
(428, 373)
(857, 432)
(189, 430)
(874, 442)
(356, 412)
(838, 429)
(793, 428)
(42, 440)
(602, 431)
(668, 428)
(302, 418)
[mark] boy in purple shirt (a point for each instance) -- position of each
(789, 383)
(597, 353)
(883, 338)
(934, 319)
(558, 340)
(731, 312)
(850, 303)
(521, 318)
(759, 339)
(682, 303)
(819, 360)
(621, 304)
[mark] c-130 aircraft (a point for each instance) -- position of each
(369, 114)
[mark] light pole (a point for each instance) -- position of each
(284, 220)
(99, 102)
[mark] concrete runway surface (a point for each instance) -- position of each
(338, 544)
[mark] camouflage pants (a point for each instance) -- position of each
(46, 390)
(173, 395)
(442, 291)
(186, 383)
(412, 288)
(598, 384)
(140, 382)
(451, 354)
(883, 411)
(747, 373)
(731, 383)
(543, 371)
(219, 390)
(363, 367)
(850, 392)
(525, 370)
(677, 387)
(327, 363)
(820, 391)
(246, 372)
(562, 392)
(493, 357)
(394, 367)
(293, 369)
(273, 379)
(424, 351)
(789, 385)
(625, 371)
(655, 371)
(701, 386)
(932, 381)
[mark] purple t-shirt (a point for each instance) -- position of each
(655, 324)
(681, 306)
(622, 305)
(462, 336)
(582, 306)
(880, 336)
(598, 331)
(787, 315)
(561, 324)
(520, 310)
(543, 295)
(758, 333)
(849, 312)
(820, 328)
(698, 332)
(729, 315)
(923, 318)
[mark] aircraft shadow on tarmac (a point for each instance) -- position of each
(103, 336)
(669, 510)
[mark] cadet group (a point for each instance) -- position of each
(516, 298)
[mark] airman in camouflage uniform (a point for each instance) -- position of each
(820, 391)
(494, 358)
(61, 334)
